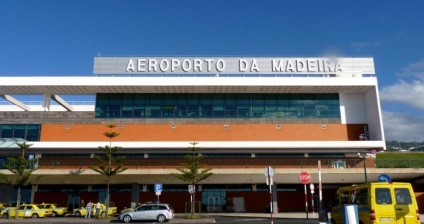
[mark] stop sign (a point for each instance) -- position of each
(305, 177)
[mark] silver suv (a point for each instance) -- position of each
(160, 212)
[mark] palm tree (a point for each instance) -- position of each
(193, 171)
(110, 165)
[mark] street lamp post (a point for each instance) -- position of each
(365, 165)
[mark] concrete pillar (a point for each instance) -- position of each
(135, 194)
(46, 101)
(34, 189)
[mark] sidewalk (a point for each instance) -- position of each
(205, 218)
(179, 218)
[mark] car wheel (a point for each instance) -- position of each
(78, 214)
(126, 219)
(333, 221)
(34, 216)
(161, 218)
(5, 216)
(103, 215)
(54, 214)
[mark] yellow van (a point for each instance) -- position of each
(379, 202)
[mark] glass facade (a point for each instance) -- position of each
(219, 105)
(29, 132)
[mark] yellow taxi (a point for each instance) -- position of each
(2, 206)
(83, 211)
(53, 209)
(4, 213)
(27, 211)
(47, 208)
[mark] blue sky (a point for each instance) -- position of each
(52, 37)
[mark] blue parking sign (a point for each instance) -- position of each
(158, 187)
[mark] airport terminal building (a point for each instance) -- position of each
(245, 113)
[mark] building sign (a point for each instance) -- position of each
(231, 65)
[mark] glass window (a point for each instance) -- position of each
(154, 111)
(243, 100)
(361, 197)
(230, 111)
(258, 111)
(205, 111)
(7, 131)
(155, 99)
(218, 105)
(192, 99)
(258, 99)
(127, 105)
(205, 99)
(181, 99)
(271, 99)
(218, 99)
(345, 197)
(140, 105)
(243, 111)
(296, 99)
(283, 99)
(383, 196)
(168, 99)
(101, 105)
(20, 131)
(167, 111)
(193, 111)
(181, 111)
(308, 99)
(403, 196)
(33, 132)
(218, 111)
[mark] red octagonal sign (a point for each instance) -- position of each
(305, 177)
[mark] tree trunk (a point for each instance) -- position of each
(18, 201)
(107, 199)
(193, 204)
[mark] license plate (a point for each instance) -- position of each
(386, 219)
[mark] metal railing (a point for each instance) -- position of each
(170, 163)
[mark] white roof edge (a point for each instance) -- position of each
(209, 144)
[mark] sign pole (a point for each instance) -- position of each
(306, 202)
(269, 173)
(311, 186)
(305, 178)
(319, 185)
(270, 194)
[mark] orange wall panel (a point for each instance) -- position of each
(203, 132)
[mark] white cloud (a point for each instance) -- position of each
(403, 127)
(414, 70)
(408, 125)
(410, 93)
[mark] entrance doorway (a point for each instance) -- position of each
(214, 204)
